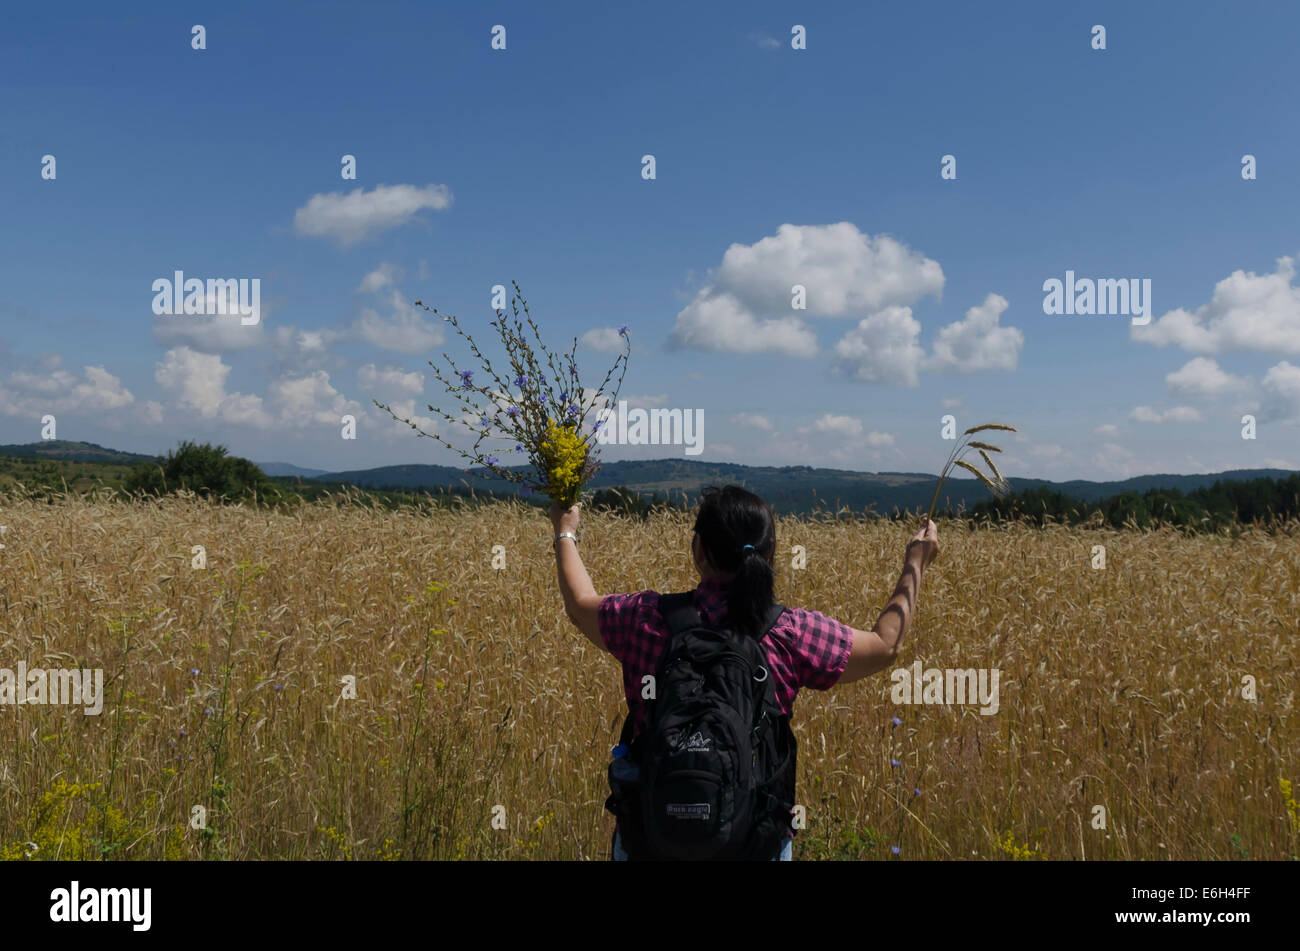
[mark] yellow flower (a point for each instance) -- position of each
(1017, 852)
(564, 454)
(1292, 807)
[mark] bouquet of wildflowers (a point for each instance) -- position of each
(538, 411)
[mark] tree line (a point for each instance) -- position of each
(210, 471)
(1226, 503)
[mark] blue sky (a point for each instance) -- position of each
(774, 166)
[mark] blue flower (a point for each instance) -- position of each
(519, 447)
(207, 711)
(895, 849)
(485, 422)
(573, 410)
(894, 762)
(541, 397)
(512, 412)
(492, 460)
(622, 331)
(521, 381)
(467, 376)
(278, 687)
(564, 396)
(596, 428)
(194, 671)
(895, 721)
(916, 792)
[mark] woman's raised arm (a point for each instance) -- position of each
(581, 602)
(877, 649)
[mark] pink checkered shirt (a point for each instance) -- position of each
(804, 648)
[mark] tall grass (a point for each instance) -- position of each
(1120, 687)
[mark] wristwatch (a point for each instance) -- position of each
(564, 535)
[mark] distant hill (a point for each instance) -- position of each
(68, 451)
(1096, 491)
(288, 469)
(790, 489)
(793, 489)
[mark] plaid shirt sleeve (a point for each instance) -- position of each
(622, 620)
(821, 648)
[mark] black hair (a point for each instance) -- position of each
(738, 535)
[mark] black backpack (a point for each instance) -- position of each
(716, 757)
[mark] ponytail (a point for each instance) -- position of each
(738, 534)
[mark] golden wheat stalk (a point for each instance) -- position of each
(988, 461)
(996, 484)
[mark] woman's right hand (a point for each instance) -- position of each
(924, 545)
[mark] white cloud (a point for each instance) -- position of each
(197, 382)
(1183, 414)
(302, 349)
(153, 412)
(311, 397)
(847, 427)
(1178, 414)
(753, 421)
(1202, 377)
(245, 408)
(645, 401)
(405, 409)
(407, 330)
(382, 276)
(602, 339)
(219, 328)
(978, 342)
(1281, 385)
(764, 42)
(1247, 311)
(209, 334)
(951, 402)
(101, 389)
(1106, 429)
(371, 377)
(719, 322)
(882, 349)
(357, 215)
(846, 272)
(26, 393)
(839, 425)
(746, 308)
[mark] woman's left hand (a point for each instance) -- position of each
(565, 520)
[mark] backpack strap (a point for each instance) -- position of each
(773, 615)
(679, 612)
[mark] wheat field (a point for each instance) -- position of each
(478, 721)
